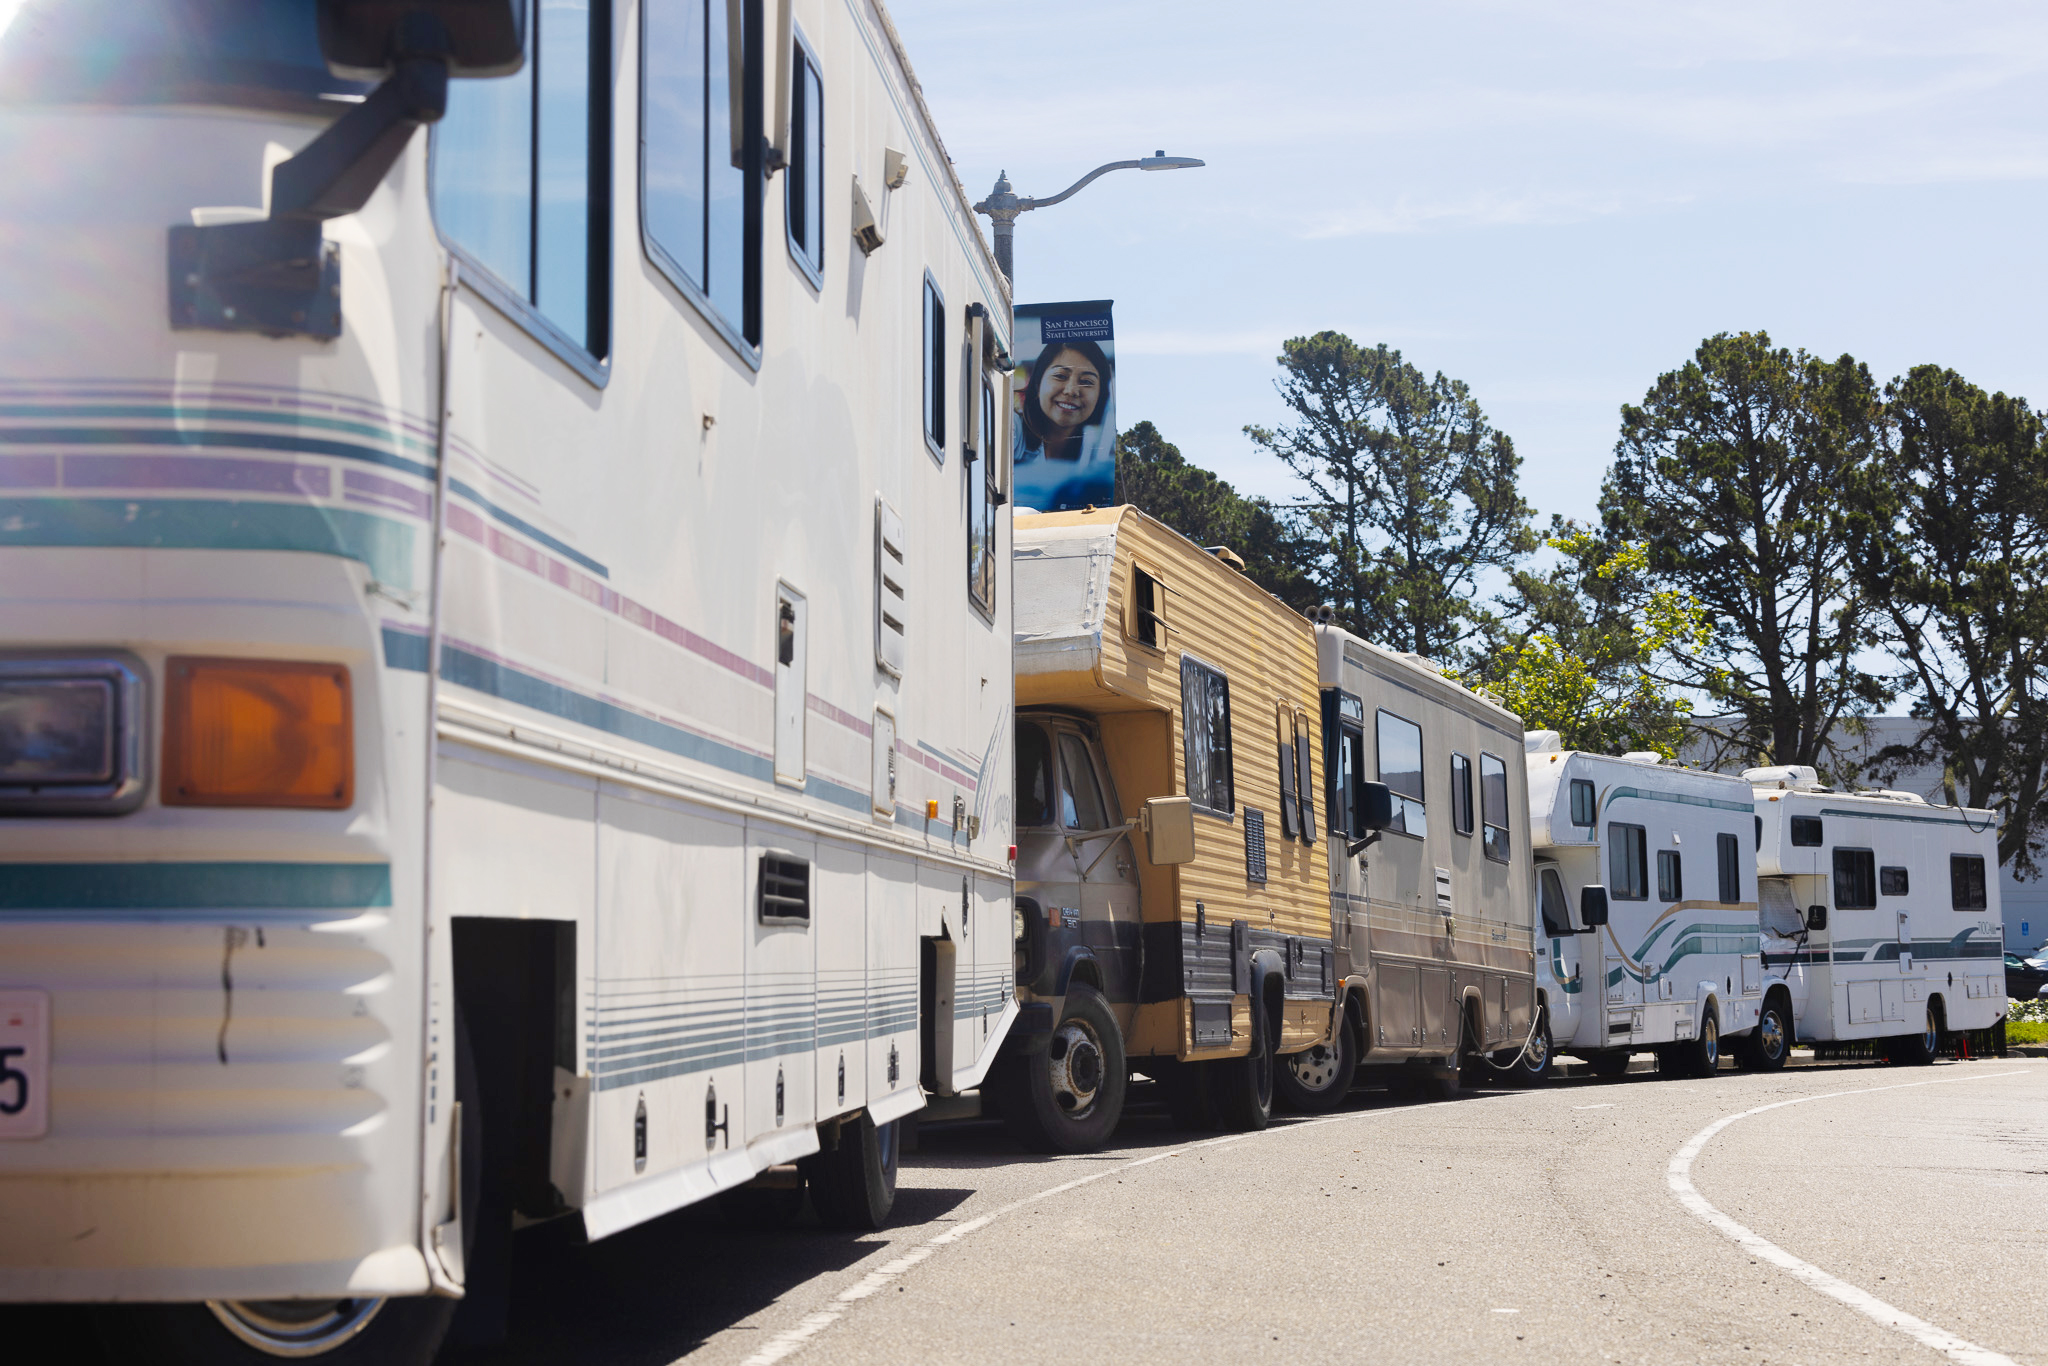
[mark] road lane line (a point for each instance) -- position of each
(1679, 1176)
(791, 1340)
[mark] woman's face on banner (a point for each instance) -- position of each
(1069, 392)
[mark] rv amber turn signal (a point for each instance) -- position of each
(257, 732)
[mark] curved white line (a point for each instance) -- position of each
(1679, 1176)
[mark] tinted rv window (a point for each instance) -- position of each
(934, 368)
(1400, 744)
(1461, 794)
(1493, 807)
(1670, 876)
(983, 500)
(1728, 855)
(1080, 795)
(1966, 882)
(1806, 832)
(1892, 881)
(1034, 777)
(1205, 732)
(1346, 761)
(805, 190)
(1557, 920)
(1146, 617)
(1583, 809)
(1855, 879)
(695, 165)
(1628, 873)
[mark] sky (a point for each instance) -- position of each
(1553, 203)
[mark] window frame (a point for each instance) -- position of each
(1728, 868)
(1189, 663)
(932, 368)
(814, 271)
(1402, 799)
(1584, 786)
(1487, 828)
(1958, 863)
(1138, 618)
(1462, 822)
(734, 335)
(1885, 878)
(1836, 869)
(982, 502)
(1625, 839)
(472, 274)
(1816, 827)
(1670, 875)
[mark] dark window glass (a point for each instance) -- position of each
(1461, 794)
(806, 184)
(1145, 605)
(1035, 787)
(934, 368)
(1892, 881)
(695, 164)
(1346, 761)
(1728, 859)
(1080, 795)
(1205, 729)
(1583, 812)
(1806, 832)
(1628, 872)
(1966, 888)
(1289, 788)
(1400, 746)
(1557, 918)
(1670, 876)
(981, 509)
(1855, 879)
(520, 170)
(1493, 807)
(1303, 738)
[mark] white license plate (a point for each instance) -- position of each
(24, 1064)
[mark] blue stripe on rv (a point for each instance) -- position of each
(208, 887)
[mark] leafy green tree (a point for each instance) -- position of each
(1412, 492)
(1588, 667)
(1734, 473)
(1152, 474)
(1951, 550)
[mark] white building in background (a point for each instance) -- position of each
(2025, 903)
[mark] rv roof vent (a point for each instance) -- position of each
(1790, 777)
(1227, 555)
(1642, 756)
(1420, 661)
(1541, 742)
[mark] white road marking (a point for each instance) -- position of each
(790, 1340)
(1608, 1105)
(1679, 1176)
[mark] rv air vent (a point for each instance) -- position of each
(785, 891)
(1254, 845)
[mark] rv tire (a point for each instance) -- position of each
(1699, 1056)
(1316, 1080)
(853, 1184)
(1242, 1088)
(1917, 1050)
(1532, 1063)
(1765, 1048)
(1068, 1097)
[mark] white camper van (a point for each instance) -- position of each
(505, 643)
(1881, 912)
(1667, 959)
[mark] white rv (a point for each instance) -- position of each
(505, 647)
(1881, 912)
(1667, 959)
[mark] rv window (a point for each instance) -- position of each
(1806, 832)
(1146, 605)
(1892, 881)
(1306, 793)
(934, 368)
(1584, 812)
(1493, 807)
(1034, 777)
(1400, 743)
(1628, 872)
(1080, 795)
(696, 169)
(982, 495)
(1461, 794)
(1205, 731)
(805, 191)
(1855, 880)
(1728, 854)
(1966, 888)
(1670, 876)
(1345, 764)
(1557, 919)
(520, 169)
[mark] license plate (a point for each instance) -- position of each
(24, 1064)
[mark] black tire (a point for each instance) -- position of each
(1608, 1062)
(1917, 1050)
(1316, 1080)
(1243, 1087)
(853, 1183)
(1765, 1048)
(1069, 1097)
(1699, 1056)
(1532, 1062)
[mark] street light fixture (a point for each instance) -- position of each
(1002, 205)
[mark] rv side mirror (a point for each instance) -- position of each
(1816, 917)
(363, 39)
(1169, 831)
(1374, 804)
(1592, 907)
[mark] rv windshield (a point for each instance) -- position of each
(1035, 787)
(263, 53)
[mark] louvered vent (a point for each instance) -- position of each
(1254, 844)
(892, 588)
(785, 895)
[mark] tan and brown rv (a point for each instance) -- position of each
(1184, 908)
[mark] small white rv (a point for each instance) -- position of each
(1668, 959)
(1880, 911)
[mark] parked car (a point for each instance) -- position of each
(2023, 978)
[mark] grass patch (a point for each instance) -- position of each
(2026, 1031)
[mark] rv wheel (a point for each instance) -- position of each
(1917, 1050)
(1532, 1064)
(1699, 1056)
(854, 1184)
(1068, 1098)
(1316, 1080)
(1767, 1046)
(1243, 1087)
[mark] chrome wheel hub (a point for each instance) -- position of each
(1075, 1071)
(1314, 1068)
(1710, 1044)
(1771, 1034)
(295, 1328)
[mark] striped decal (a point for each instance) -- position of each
(1677, 798)
(211, 887)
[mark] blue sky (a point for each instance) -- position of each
(1552, 203)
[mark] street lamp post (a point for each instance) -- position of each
(1003, 205)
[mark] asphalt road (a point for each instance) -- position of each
(1542, 1226)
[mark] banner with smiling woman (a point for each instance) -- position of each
(1064, 438)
